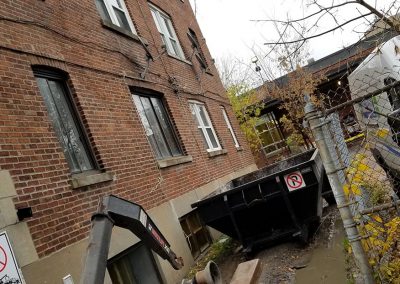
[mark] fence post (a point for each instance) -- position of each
(325, 146)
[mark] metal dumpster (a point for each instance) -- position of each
(277, 201)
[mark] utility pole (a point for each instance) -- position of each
(320, 131)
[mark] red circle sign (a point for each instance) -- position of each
(294, 180)
(3, 259)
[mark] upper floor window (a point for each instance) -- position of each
(168, 35)
(157, 125)
(65, 121)
(228, 123)
(115, 12)
(204, 125)
(197, 49)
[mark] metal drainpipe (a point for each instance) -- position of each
(318, 128)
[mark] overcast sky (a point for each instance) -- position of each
(229, 30)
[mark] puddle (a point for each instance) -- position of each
(327, 261)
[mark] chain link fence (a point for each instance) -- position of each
(361, 134)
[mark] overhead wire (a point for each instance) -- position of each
(177, 88)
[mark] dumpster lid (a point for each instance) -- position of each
(285, 166)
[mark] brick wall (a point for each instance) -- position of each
(102, 65)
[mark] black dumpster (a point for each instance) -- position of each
(277, 201)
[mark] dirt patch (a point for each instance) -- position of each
(281, 261)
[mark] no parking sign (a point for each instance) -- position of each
(294, 181)
(9, 272)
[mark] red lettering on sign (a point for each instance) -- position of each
(3, 259)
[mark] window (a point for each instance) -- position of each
(393, 118)
(134, 265)
(157, 126)
(197, 235)
(207, 131)
(269, 133)
(168, 35)
(394, 93)
(197, 49)
(115, 12)
(228, 123)
(65, 121)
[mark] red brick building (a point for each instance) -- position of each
(101, 97)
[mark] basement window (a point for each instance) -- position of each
(115, 11)
(134, 265)
(197, 236)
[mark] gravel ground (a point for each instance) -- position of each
(281, 261)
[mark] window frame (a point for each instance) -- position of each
(202, 127)
(194, 232)
(113, 260)
(393, 94)
(264, 119)
(170, 126)
(197, 48)
(160, 18)
(228, 123)
(62, 78)
(112, 15)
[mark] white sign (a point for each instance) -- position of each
(294, 181)
(9, 272)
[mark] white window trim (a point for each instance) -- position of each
(228, 123)
(195, 106)
(114, 18)
(163, 29)
(270, 117)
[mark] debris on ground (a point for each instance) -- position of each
(281, 261)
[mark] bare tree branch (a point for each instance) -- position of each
(308, 16)
(387, 20)
(320, 34)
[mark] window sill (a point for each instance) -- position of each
(274, 153)
(89, 178)
(180, 59)
(209, 72)
(169, 162)
(217, 153)
(109, 25)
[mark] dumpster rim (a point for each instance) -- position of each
(243, 186)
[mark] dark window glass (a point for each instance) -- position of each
(393, 94)
(136, 265)
(157, 126)
(65, 123)
(394, 117)
(196, 46)
(122, 20)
